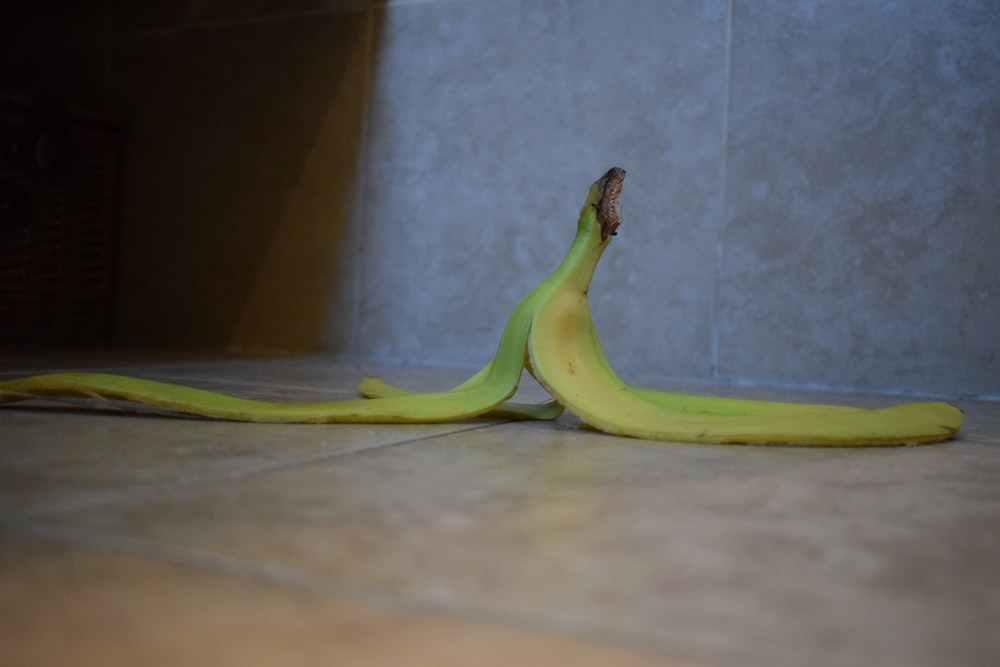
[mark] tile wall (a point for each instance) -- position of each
(813, 194)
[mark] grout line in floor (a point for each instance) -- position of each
(182, 486)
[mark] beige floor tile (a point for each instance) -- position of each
(712, 555)
(63, 605)
(721, 554)
(51, 460)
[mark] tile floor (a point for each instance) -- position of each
(159, 541)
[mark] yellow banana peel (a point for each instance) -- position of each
(550, 333)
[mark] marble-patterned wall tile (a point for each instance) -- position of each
(863, 205)
(488, 123)
(241, 169)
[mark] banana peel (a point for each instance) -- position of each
(551, 334)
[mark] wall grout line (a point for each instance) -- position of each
(713, 363)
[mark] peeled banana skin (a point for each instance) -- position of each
(480, 394)
(567, 359)
(550, 334)
(376, 387)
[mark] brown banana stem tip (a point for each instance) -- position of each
(608, 211)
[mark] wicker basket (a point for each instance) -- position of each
(58, 231)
